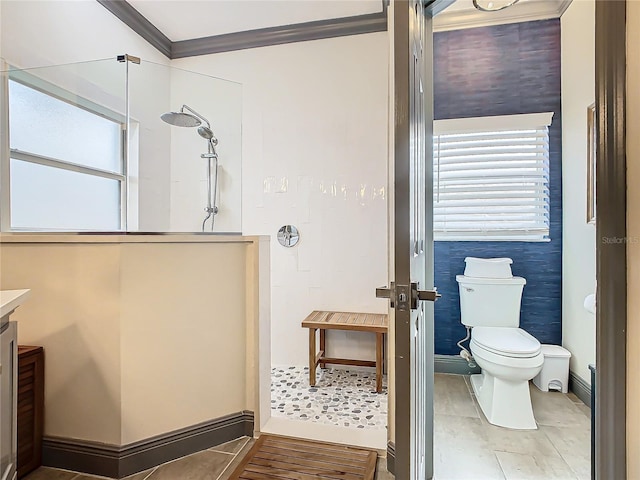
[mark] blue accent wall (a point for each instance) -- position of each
(503, 70)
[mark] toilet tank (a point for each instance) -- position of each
(488, 267)
(490, 302)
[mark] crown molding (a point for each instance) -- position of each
(139, 24)
(263, 37)
(520, 12)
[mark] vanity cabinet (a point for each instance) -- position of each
(30, 408)
(8, 391)
(9, 301)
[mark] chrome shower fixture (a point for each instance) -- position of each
(182, 119)
(194, 119)
(207, 134)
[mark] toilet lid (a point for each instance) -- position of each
(507, 341)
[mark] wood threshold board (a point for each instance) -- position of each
(292, 458)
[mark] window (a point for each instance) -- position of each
(491, 178)
(66, 169)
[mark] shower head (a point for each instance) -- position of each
(181, 119)
(205, 132)
(193, 119)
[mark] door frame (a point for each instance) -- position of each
(611, 209)
(400, 162)
(611, 257)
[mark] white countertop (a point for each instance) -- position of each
(11, 299)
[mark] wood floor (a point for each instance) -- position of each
(282, 458)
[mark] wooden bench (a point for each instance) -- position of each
(361, 322)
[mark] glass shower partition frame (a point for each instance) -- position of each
(172, 161)
(62, 158)
(57, 167)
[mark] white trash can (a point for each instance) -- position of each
(555, 370)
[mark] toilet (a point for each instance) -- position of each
(509, 357)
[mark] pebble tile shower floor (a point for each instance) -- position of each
(344, 398)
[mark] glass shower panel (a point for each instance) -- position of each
(48, 198)
(173, 188)
(149, 147)
(44, 125)
(89, 150)
(66, 167)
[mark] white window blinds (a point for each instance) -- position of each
(491, 178)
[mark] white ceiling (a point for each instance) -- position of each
(462, 14)
(187, 19)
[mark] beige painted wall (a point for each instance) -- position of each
(183, 335)
(141, 338)
(633, 232)
(579, 237)
(258, 378)
(74, 313)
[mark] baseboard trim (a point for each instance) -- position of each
(580, 388)
(453, 364)
(391, 458)
(120, 461)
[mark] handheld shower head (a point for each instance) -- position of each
(205, 133)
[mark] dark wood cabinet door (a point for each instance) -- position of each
(30, 408)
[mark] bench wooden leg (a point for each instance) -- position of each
(323, 345)
(312, 357)
(379, 344)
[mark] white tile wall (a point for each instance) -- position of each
(315, 156)
(220, 102)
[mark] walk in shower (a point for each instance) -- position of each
(108, 156)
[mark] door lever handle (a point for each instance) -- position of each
(406, 297)
(387, 292)
(429, 295)
(417, 295)
(383, 292)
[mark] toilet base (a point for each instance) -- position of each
(504, 403)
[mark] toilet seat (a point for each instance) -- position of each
(506, 341)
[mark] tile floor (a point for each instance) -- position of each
(467, 447)
(214, 464)
(344, 398)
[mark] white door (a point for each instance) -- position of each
(412, 238)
